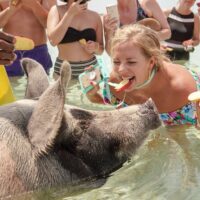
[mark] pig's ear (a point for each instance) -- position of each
(47, 116)
(37, 81)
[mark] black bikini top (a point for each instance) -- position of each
(73, 35)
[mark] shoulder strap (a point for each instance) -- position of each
(196, 77)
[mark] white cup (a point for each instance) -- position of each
(112, 11)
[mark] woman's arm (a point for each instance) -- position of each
(95, 47)
(153, 9)
(56, 27)
(194, 41)
(196, 34)
(94, 96)
(110, 25)
(167, 12)
(99, 32)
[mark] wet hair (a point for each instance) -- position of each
(144, 37)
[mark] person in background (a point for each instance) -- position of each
(7, 55)
(27, 19)
(198, 7)
(130, 12)
(78, 34)
(184, 25)
(141, 71)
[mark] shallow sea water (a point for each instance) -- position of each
(165, 167)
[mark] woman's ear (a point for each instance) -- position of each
(152, 63)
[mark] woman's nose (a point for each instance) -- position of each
(122, 68)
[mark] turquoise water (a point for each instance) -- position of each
(166, 167)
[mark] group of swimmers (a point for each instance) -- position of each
(141, 67)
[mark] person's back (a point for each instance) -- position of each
(27, 19)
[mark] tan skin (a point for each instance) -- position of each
(28, 19)
(74, 15)
(168, 91)
(128, 15)
(184, 7)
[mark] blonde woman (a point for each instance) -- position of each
(144, 72)
(78, 34)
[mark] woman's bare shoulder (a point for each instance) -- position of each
(167, 11)
(94, 13)
(180, 76)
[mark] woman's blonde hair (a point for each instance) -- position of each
(145, 38)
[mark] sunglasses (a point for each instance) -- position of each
(83, 1)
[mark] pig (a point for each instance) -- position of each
(46, 143)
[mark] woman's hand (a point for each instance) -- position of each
(94, 96)
(91, 47)
(94, 90)
(187, 43)
(15, 5)
(76, 8)
(110, 24)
